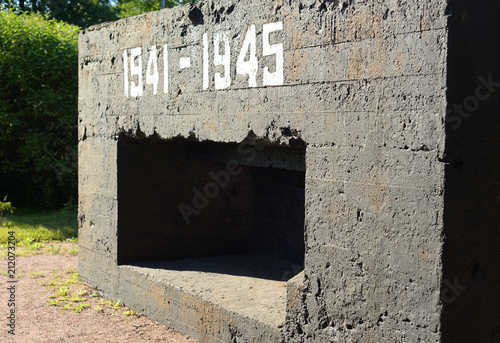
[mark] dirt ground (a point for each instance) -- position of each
(52, 306)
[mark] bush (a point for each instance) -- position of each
(38, 109)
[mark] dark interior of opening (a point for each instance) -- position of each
(181, 198)
(471, 239)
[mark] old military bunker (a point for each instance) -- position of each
(294, 170)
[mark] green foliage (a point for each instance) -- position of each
(89, 12)
(5, 206)
(38, 93)
(128, 8)
(82, 13)
(38, 109)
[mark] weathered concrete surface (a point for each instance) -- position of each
(399, 201)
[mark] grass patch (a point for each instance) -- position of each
(54, 250)
(33, 225)
(37, 275)
(69, 270)
(66, 293)
(73, 250)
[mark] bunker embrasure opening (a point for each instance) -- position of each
(182, 199)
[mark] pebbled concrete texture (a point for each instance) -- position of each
(399, 200)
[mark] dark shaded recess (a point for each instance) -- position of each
(471, 251)
(195, 15)
(249, 265)
(260, 210)
(279, 213)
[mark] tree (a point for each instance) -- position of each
(38, 93)
(128, 8)
(38, 109)
(83, 13)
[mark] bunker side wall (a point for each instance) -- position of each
(98, 214)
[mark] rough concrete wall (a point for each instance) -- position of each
(363, 85)
(98, 213)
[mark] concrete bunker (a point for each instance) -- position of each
(391, 206)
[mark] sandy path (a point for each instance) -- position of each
(38, 322)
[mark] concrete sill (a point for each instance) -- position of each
(247, 289)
